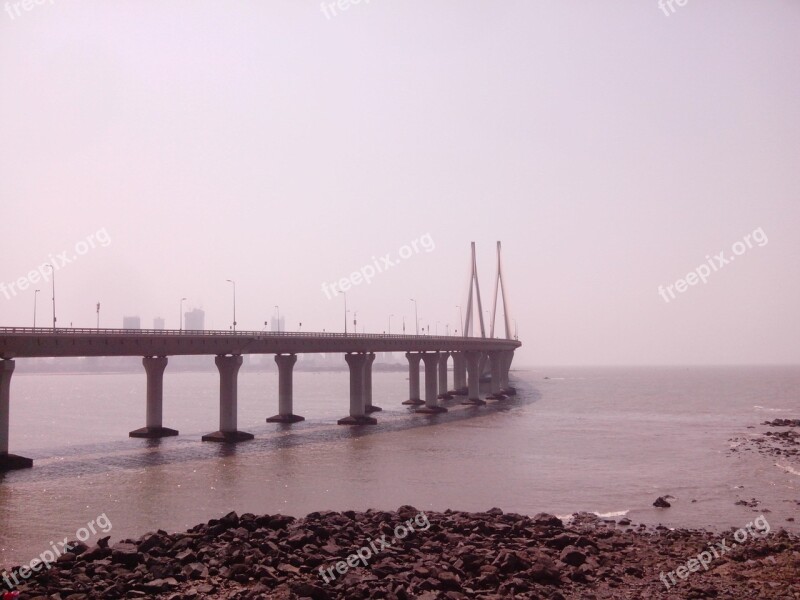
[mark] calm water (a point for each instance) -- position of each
(602, 440)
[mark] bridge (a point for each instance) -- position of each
(471, 357)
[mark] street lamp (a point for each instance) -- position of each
(54, 294)
(416, 315)
(231, 281)
(345, 312)
(278, 308)
(35, 293)
(355, 322)
(98, 315)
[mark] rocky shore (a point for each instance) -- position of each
(449, 555)
(782, 441)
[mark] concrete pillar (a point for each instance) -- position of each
(369, 407)
(472, 358)
(444, 394)
(459, 374)
(506, 389)
(228, 367)
(285, 364)
(496, 359)
(413, 379)
(357, 363)
(8, 462)
(154, 367)
(431, 360)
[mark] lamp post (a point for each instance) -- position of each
(355, 322)
(54, 294)
(416, 315)
(35, 293)
(231, 281)
(98, 315)
(278, 309)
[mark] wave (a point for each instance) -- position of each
(788, 469)
(607, 515)
(768, 409)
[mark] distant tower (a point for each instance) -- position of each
(158, 323)
(131, 323)
(194, 320)
(276, 324)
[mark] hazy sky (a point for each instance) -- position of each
(611, 148)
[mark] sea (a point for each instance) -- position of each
(602, 440)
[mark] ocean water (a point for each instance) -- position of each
(605, 440)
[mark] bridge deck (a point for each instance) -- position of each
(27, 342)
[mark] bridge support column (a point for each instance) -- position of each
(444, 394)
(8, 462)
(496, 360)
(413, 379)
(431, 360)
(285, 364)
(357, 364)
(505, 388)
(369, 407)
(228, 372)
(473, 366)
(154, 367)
(459, 374)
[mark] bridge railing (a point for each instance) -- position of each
(67, 331)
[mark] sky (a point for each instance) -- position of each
(619, 150)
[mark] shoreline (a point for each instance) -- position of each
(408, 553)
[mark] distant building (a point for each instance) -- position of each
(131, 323)
(158, 323)
(277, 324)
(194, 320)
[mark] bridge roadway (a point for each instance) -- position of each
(470, 356)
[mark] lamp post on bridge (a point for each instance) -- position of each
(231, 281)
(180, 316)
(35, 293)
(98, 315)
(53, 271)
(278, 310)
(416, 315)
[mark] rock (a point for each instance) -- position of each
(661, 502)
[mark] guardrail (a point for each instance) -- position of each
(218, 333)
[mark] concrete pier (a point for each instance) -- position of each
(154, 367)
(369, 407)
(357, 363)
(496, 360)
(228, 367)
(459, 374)
(473, 364)
(505, 387)
(413, 379)
(444, 393)
(8, 462)
(285, 414)
(431, 361)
